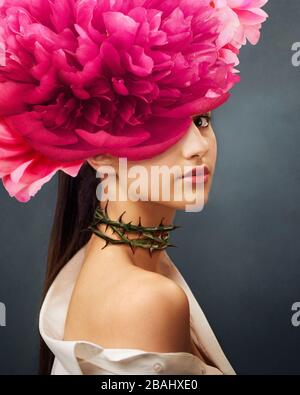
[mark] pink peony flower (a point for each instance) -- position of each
(23, 170)
(241, 20)
(85, 77)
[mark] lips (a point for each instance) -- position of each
(200, 178)
(193, 172)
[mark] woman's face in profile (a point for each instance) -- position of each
(161, 178)
(197, 147)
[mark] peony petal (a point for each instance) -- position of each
(103, 139)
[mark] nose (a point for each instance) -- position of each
(194, 143)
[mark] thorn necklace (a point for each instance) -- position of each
(151, 237)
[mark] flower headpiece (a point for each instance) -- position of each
(123, 77)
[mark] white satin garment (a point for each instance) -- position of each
(85, 358)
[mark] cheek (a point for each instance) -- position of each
(213, 147)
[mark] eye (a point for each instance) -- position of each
(202, 121)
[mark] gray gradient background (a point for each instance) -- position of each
(240, 256)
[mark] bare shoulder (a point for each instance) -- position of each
(154, 315)
(142, 310)
(158, 295)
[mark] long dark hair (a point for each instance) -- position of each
(75, 207)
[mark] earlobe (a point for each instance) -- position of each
(93, 162)
(98, 160)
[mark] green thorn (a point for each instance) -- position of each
(161, 221)
(106, 244)
(121, 216)
(105, 210)
(132, 248)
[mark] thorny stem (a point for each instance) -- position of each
(151, 237)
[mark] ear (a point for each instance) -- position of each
(100, 160)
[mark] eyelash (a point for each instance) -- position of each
(206, 117)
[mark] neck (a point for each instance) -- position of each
(151, 214)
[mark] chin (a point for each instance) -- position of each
(182, 204)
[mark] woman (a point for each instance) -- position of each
(104, 81)
(122, 298)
